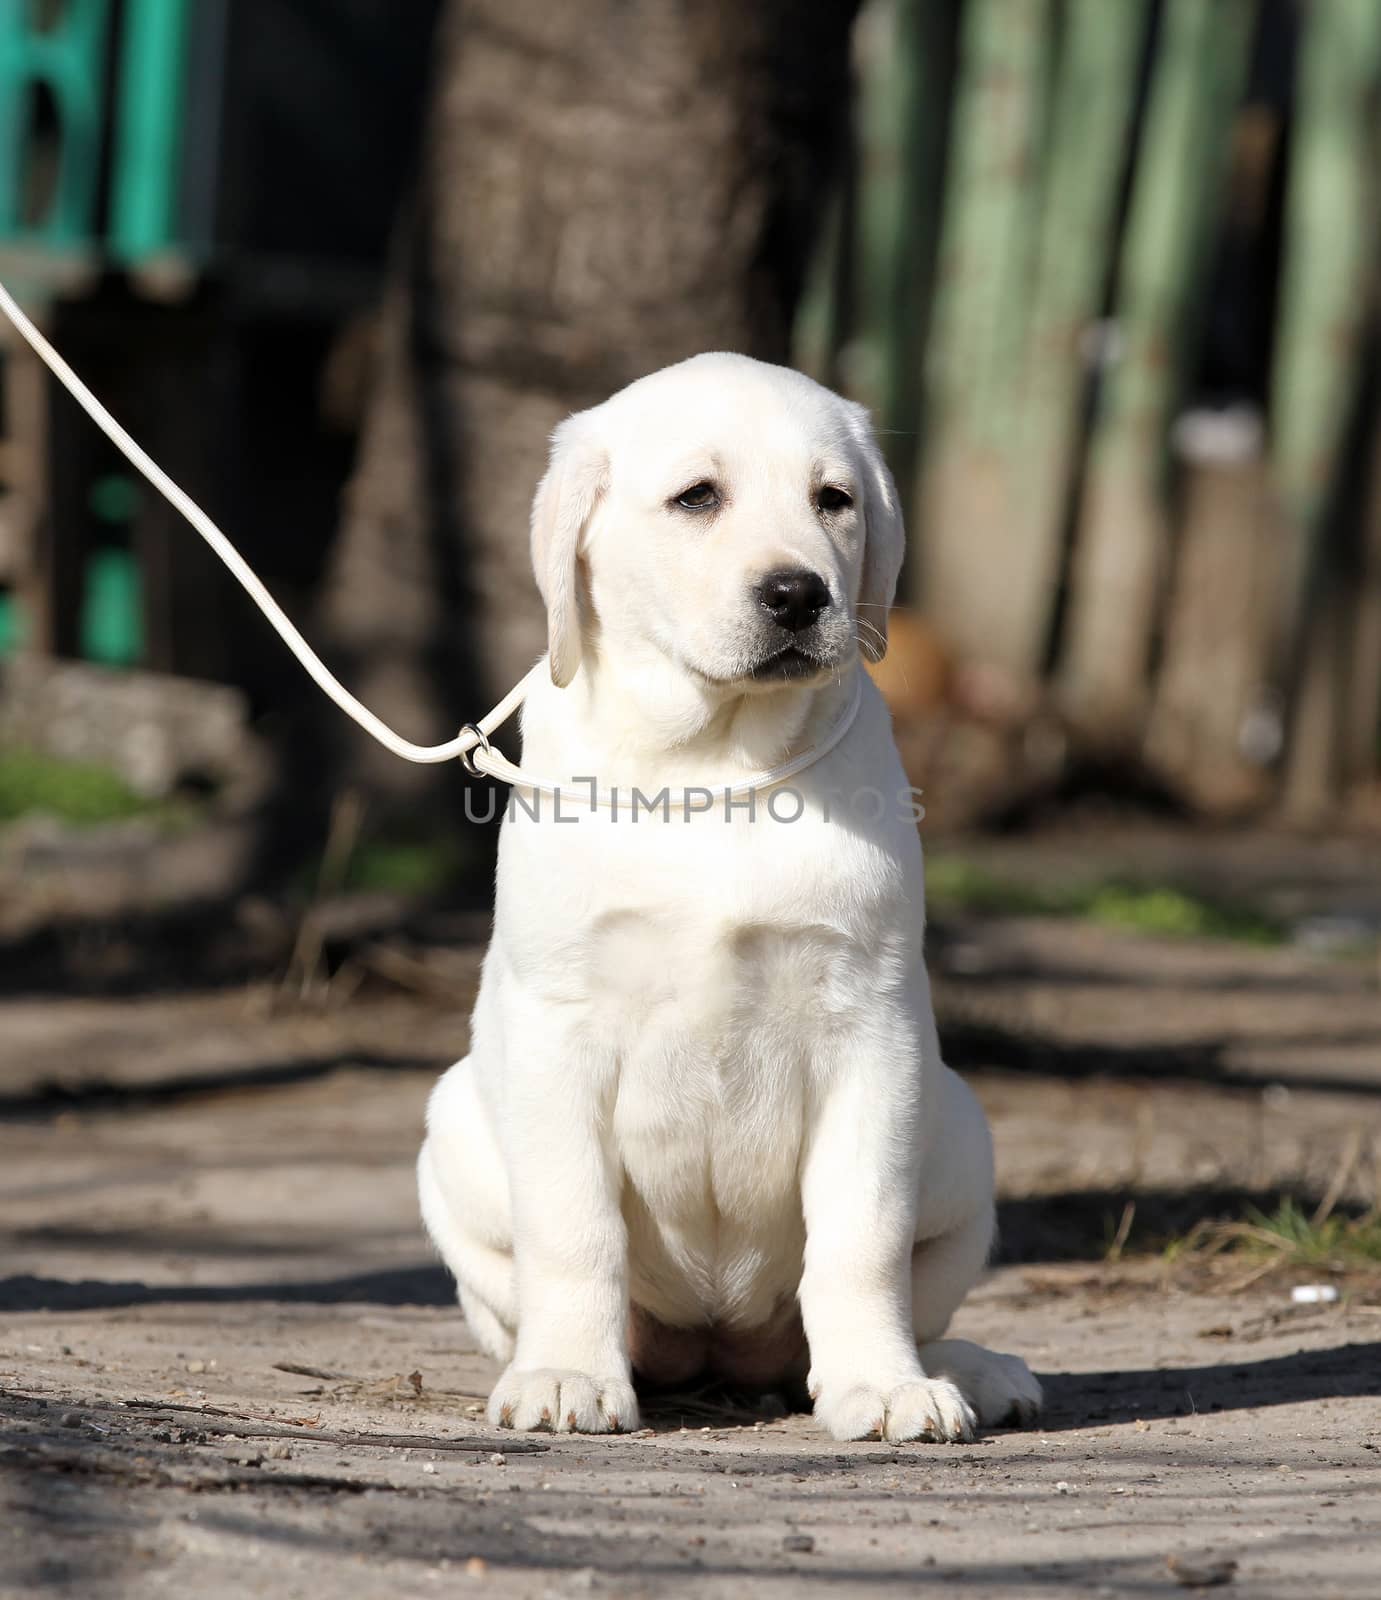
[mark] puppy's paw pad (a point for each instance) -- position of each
(1001, 1389)
(923, 1408)
(555, 1400)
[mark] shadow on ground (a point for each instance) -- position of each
(970, 1046)
(1076, 1225)
(1081, 1224)
(47, 1100)
(403, 1286)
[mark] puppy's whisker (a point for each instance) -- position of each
(878, 637)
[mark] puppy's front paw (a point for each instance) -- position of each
(562, 1402)
(922, 1408)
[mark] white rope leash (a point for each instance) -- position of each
(471, 744)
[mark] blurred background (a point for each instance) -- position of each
(1105, 271)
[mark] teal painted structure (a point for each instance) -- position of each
(67, 62)
(53, 116)
(146, 170)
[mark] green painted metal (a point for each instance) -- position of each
(112, 622)
(11, 624)
(1122, 540)
(115, 498)
(69, 60)
(147, 164)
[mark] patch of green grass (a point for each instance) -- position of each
(1288, 1240)
(404, 867)
(957, 885)
(1291, 1234)
(952, 884)
(77, 792)
(1174, 914)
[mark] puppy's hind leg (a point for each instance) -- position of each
(463, 1195)
(999, 1388)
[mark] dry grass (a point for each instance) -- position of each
(1288, 1242)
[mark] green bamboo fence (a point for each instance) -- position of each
(1331, 248)
(1018, 289)
(1122, 541)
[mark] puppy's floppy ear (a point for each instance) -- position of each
(884, 537)
(565, 499)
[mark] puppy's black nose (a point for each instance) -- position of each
(793, 597)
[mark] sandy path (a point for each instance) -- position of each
(224, 1190)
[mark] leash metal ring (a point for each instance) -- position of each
(481, 743)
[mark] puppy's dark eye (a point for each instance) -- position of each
(699, 497)
(831, 498)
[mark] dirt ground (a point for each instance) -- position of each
(228, 1365)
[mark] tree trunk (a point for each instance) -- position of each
(606, 188)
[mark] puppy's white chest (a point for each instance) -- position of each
(663, 989)
(720, 1034)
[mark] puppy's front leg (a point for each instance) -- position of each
(570, 1370)
(859, 1189)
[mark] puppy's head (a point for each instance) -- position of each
(734, 517)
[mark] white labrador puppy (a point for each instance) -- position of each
(704, 1123)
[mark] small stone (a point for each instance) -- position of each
(429, 1466)
(196, 1366)
(798, 1543)
(280, 1451)
(496, 1460)
(1208, 1574)
(70, 1419)
(1063, 1488)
